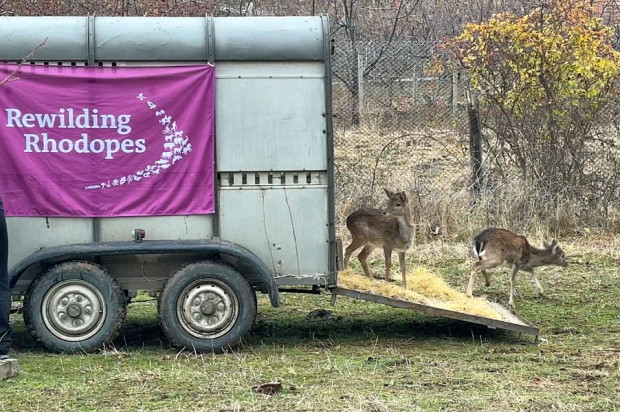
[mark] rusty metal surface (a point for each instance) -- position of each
(515, 323)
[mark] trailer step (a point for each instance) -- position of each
(513, 323)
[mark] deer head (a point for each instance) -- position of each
(556, 254)
(398, 204)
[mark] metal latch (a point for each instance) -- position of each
(138, 235)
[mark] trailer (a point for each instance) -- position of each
(239, 202)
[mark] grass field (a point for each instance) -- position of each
(367, 357)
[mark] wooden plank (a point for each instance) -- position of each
(9, 368)
(514, 324)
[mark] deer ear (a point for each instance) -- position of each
(404, 195)
(554, 242)
(388, 193)
(555, 249)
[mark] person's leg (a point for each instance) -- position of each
(5, 290)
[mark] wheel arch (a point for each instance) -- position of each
(252, 264)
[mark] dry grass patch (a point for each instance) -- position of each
(432, 165)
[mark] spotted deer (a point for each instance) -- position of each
(495, 247)
(392, 229)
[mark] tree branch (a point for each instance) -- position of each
(13, 75)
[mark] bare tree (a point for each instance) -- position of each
(353, 25)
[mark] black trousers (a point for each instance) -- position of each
(5, 289)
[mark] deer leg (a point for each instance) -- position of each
(363, 257)
(355, 244)
(388, 263)
(513, 278)
(487, 279)
(537, 284)
(470, 286)
(472, 279)
(403, 269)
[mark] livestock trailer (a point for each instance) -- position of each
(190, 157)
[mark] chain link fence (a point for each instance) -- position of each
(397, 126)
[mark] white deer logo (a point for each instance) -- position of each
(176, 146)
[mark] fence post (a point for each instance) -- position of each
(455, 92)
(414, 92)
(360, 86)
(475, 144)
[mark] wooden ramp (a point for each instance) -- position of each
(511, 322)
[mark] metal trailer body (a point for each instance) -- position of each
(274, 219)
(273, 136)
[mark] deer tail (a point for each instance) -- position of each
(479, 249)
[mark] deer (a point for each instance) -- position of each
(392, 229)
(494, 247)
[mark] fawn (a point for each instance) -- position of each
(495, 247)
(391, 229)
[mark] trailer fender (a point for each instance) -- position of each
(208, 247)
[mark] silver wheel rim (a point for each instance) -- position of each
(74, 310)
(207, 308)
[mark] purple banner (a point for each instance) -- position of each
(107, 141)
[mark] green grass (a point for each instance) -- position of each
(369, 358)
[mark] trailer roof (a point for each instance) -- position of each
(192, 39)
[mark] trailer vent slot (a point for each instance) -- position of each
(49, 63)
(271, 179)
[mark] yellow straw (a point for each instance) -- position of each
(423, 287)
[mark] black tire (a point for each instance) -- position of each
(90, 308)
(207, 307)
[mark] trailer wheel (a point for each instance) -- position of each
(74, 306)
(207, 307)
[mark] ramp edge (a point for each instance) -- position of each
(521, 326)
